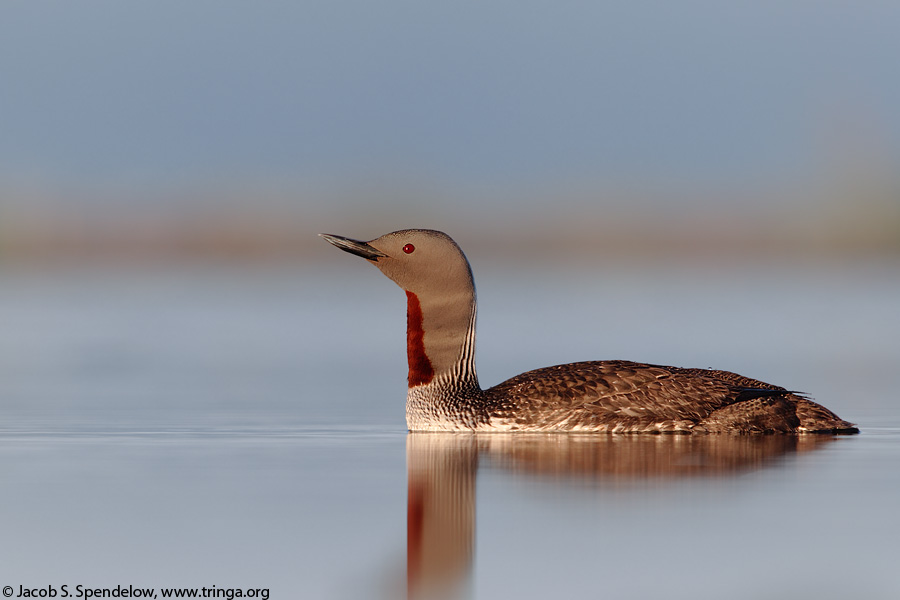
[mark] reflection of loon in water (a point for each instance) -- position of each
(610, 396)
(441, 470)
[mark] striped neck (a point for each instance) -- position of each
(440, 341)
(440, 344)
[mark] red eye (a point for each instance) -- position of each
(409, 248)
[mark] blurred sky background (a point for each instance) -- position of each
(241, 129)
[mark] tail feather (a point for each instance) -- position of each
(816, 418)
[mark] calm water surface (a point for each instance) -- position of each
(243, 428)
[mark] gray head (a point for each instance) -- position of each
(422, 261)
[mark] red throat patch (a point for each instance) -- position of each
(420, 369)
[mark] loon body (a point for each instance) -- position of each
(614, 396)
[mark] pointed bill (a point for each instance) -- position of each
(353, 246)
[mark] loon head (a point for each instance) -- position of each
(424, 262)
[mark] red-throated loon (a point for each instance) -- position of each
(614, 396)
